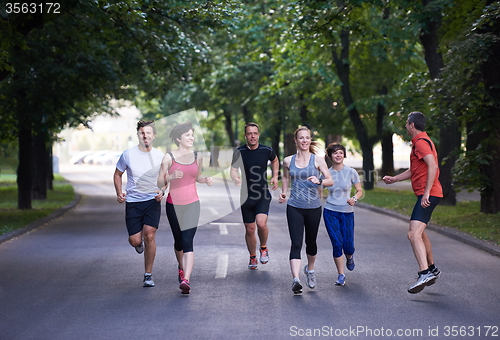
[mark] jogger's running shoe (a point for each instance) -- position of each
(181, 275)
(185, 287)
(437, 274)
(422, 281)
(139, 249)
(310, 277)
(252, 264)
(148, 280)
(264, 256)
(296, 286)
(340, 280)
(350, 263)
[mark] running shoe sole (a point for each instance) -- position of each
(297, 288)
(185, 287)
(264, 259)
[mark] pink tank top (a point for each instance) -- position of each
(183, 190)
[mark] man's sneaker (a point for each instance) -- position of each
(296, 286)
(181, 275)
(340, 280)
(310, 277)
(264, 256)
(422, 281)
(148, 281)
(350, 263)
(139, 249)
(253, 262)
(437, 274)
(185, 287)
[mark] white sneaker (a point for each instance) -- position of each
(139, 249)
(310, 277)
(148, 281)
(422, 281)
(296, 286)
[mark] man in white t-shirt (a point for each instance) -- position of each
(142, 214)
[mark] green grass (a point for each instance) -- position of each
(465, 216)
(12, 218)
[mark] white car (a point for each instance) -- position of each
(90, 158)
(79, 158)
(109, 158)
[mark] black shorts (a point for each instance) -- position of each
(252, 207)
(138, 214)
(424, 214)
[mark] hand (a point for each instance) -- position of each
(282, 198)
(389, 179)
(121, 198)
(237, 181)
(351, 201)
(314, 180)
(425, 202)
(159, 195)
(274, 182)
(209, 181)
(177, 174)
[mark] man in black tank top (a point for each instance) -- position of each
(252, 159)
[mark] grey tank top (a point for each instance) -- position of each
(304, 194)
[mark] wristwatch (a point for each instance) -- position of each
(354, 198)
(320, 181)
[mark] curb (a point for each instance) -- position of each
(470, 240)
(44, 220)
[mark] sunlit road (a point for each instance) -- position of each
(77, 278)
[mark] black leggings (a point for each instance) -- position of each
(298, 221)
(183, 221)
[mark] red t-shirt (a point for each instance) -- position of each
(419, 168)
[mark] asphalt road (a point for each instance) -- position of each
(77, 278)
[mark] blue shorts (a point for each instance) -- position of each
(424, 214)
(252, 207)
(138, 214)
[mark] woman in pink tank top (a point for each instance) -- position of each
(181, 169)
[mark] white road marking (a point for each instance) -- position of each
(223, 227)
(213, 211)
(222, 263)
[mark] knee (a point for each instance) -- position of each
(250, 228)
(149, 237)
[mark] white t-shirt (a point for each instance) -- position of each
(142, 173)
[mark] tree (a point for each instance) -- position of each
(74, 63)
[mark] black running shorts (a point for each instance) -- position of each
(138, 214)
(424, 214)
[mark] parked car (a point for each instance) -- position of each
(79, 158)
(109, 158)
(90, 158)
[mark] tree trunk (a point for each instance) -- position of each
(342, 66)
(228, 124)
(449, 139)
(449, 135)
(39, 164)
(247, 115)
(24, 173)
(387, 155)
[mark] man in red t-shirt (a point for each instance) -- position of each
(424, 175)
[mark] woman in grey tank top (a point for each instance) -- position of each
(303, 211)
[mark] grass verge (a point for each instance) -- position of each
(12, 218)
(465, 216)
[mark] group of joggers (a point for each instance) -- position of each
(305, 177)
